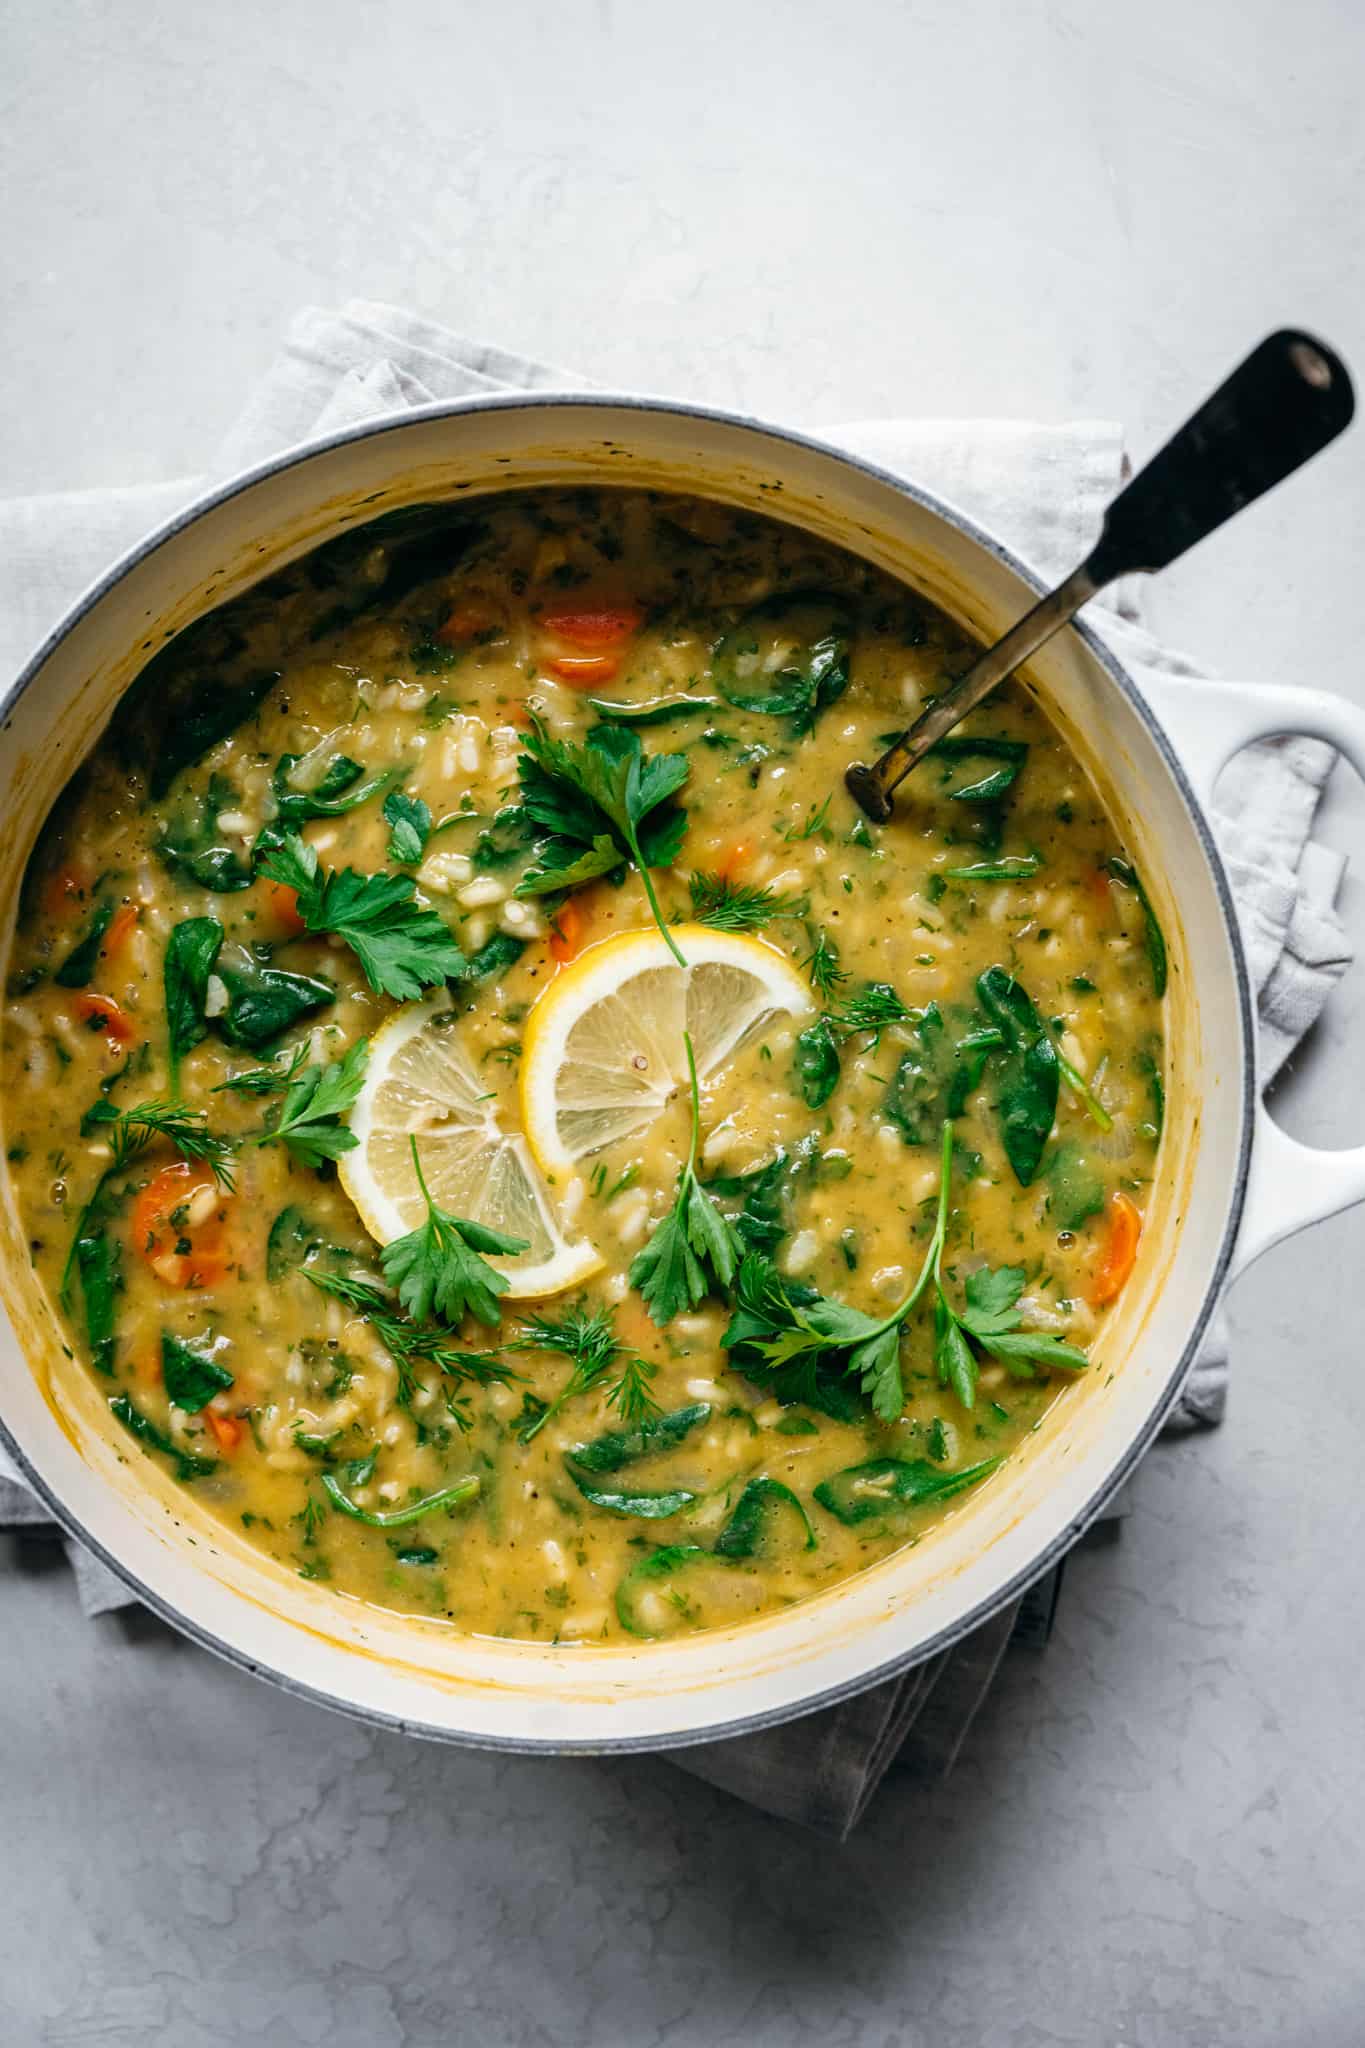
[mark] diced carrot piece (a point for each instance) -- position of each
(566, 932)
(102, 1013)
(467, 620)
(584, 671)
(1097, 882)
(1120, 1250)
(226, 1429)
(121, 924)
(596, 631)
(63, 888)
(733, 859)
(283, 905)
(181, 1252)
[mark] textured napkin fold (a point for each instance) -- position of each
(1043, 490)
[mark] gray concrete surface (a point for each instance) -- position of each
(1057, 208)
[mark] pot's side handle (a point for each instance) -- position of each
(1291, 1185)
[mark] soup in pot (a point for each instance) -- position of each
(506, 1132)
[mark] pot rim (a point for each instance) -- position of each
(954, 1632)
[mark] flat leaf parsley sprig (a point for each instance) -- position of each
(309, 1121)
(693, 1249)
(801, 1341)
(440, 1268)
(401, 948)
(604, 804)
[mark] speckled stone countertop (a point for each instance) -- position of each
(1056, 209)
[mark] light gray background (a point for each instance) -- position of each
(1046, 207)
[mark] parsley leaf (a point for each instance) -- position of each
(437, 1268)
(402, 949)
(693, 1248)
(308, 1120)
(130, 1131)
(604, 804)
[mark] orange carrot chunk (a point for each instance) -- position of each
(66, 887)
(283, 905)
(566, 932)
(102, 1013)
(121, 925)
(597, 631)
(733, 859)
(226, 1429)
(183, 1247)
(1124, 1228)
(584, 671)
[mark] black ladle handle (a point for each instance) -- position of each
(1289, 398)
(1284, 404)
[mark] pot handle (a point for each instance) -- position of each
(1291, 1185)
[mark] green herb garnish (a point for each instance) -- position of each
(604, 804)
(411, 1344)
(309, 1123)
(587, 1338)
(401, 949)
(693, 1248)
(439, 1268)
(737, 906)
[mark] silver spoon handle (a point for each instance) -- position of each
(1282, 405)
(873, 786)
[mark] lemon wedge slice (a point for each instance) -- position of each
(603, 1047)
(420, 1081)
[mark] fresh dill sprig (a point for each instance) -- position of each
(131, 1131)
(739, 906)
(271, 1080)
(411, 1344)
(871, 1009)
(821, 964)
(587, 1337)
(632, 1394)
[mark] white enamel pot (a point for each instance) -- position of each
(1230, 1183)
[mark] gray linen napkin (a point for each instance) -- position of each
(1043, 489)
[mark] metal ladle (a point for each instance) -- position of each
(1289, 398)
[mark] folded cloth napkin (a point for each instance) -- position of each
(1042, 489)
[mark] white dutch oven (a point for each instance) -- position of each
(1230, 1182)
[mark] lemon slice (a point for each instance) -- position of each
(603, 1047)
(420, 1081)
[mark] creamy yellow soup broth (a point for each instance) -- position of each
(646, 1363)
